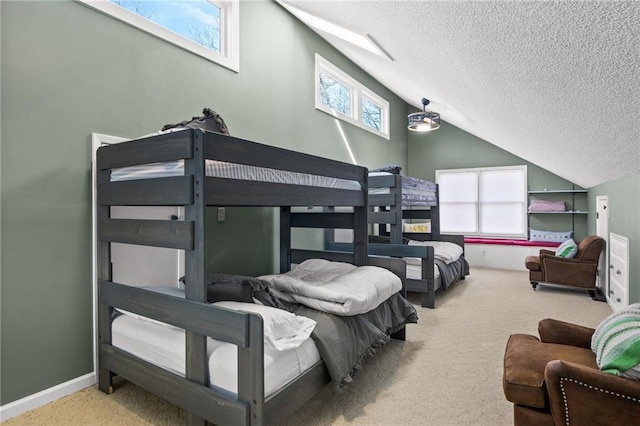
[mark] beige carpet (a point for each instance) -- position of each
(447, 372)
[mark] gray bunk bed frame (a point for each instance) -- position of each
(195, 192)
(390, 212)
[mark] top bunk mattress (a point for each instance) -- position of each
(225, 170)
(415, 192)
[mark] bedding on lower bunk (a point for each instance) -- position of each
(296, 336)
(443, 273)
(335, 287)
(449, 262)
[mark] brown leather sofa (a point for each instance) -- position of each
(579, 271)
(555, 380)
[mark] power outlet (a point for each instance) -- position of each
(222, 214)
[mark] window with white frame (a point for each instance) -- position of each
(488, 202)
(209, 28)
(340, 95)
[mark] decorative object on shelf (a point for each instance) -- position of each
(424, 121)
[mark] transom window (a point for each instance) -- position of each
(489, 202)
(209, 28)
(334, 94)
(340, 95)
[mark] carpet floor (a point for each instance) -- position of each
(447, 372)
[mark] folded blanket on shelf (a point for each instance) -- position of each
(546, 206)
(335, 287)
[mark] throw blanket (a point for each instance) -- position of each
(452, 272)
(616, 343)
(335, 287)
(345, 343)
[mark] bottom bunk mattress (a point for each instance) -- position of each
(164, 345)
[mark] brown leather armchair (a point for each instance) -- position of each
(579, 271)
(555, 380)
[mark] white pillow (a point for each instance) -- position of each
(282, 330)
(568, 249)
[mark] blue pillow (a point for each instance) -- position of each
(549, 236)
(568, 249)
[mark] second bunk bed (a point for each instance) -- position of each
(196, 169)
(394, 200)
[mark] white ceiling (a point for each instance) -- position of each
(553, 82)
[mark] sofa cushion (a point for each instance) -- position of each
(525, 359)
(568, 249)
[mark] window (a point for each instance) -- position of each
(343, 97)
(209, 28)
(490, 202)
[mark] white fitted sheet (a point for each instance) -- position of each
(214, 168)
(414, 272)
(163, 345)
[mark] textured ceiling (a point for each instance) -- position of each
(553, 82)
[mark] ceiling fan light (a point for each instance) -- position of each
(423, 121)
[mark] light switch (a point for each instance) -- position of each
(222, 214)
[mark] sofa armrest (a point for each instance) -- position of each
(580, 395)
(547, 252)
(565, 333)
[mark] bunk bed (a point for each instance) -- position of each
(394, 198)
(195, 169)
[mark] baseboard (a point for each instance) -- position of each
(46, 396)
(498, 256)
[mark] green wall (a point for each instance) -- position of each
(68, 71)
(452, 148)
(624, 205)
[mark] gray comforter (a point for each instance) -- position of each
(452, 272)
(346, 342)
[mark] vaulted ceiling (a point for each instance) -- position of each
(553, 82)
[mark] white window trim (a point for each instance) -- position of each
(229, 27)
(478, 210)
(357, 92)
